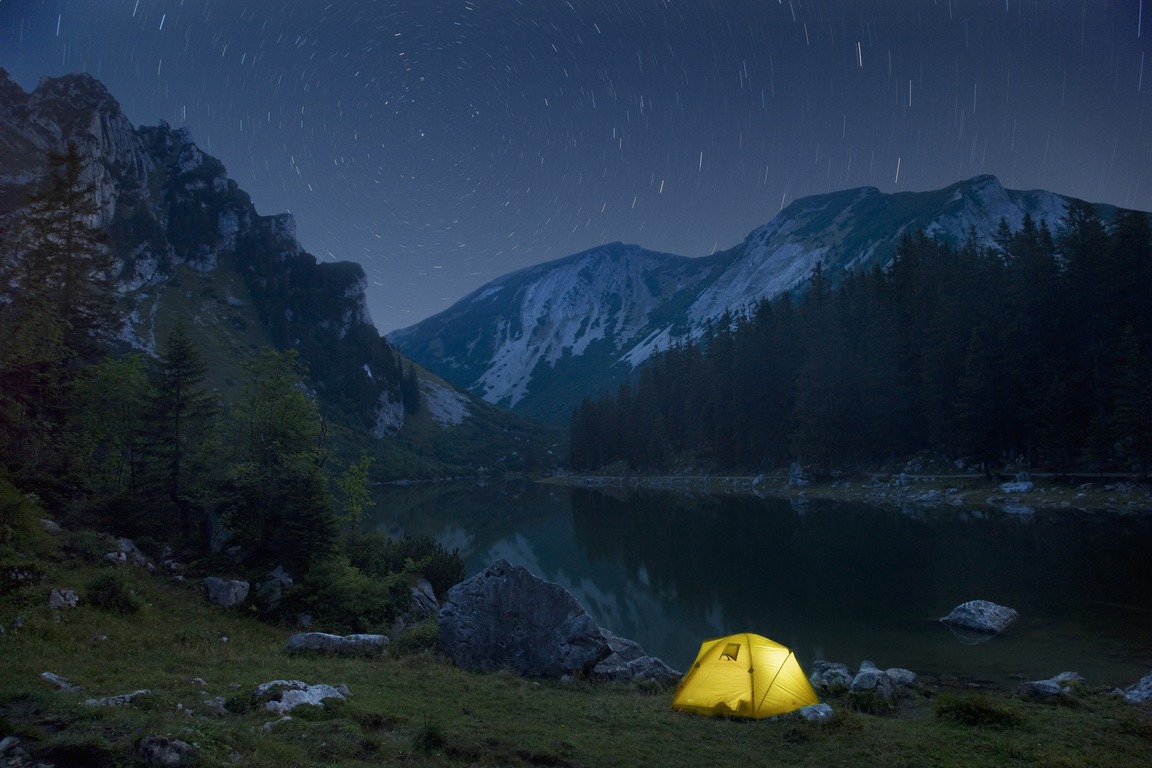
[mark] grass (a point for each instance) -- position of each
(416, 709)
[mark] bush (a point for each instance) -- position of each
(381, 555)
(341, 598)
(976, 710)
(19, 520)
(110, 592)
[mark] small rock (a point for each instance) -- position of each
(1017, 487)
(60, 682)
(62, 598)
(1063, 684)
(347, 645)
(900, 677)
(817, 713)
(164, 752)
(50, 526)
(117, 701)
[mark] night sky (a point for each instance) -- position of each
(443, 143)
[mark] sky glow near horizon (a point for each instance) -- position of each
(443, 143)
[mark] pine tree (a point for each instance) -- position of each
(180, 416)
(64, 263)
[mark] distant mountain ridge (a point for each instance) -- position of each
(539, 339)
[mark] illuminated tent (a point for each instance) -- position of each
(744, 675)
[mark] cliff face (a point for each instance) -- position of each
(167, 205)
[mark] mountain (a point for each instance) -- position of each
(540, 339)
(189, 246)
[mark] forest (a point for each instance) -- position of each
(1034, 351)
(116, 441)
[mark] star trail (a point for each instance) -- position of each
(443, 143)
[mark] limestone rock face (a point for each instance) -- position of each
(981, 616)
(507, 618)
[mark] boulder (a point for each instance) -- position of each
(60, 682)
(285, 695)
(62, 598)
(830, 676)
(127, 552)
(1063, 684)
(980, 616)
(50, 526)
(226, 592)
(271, 590)
(900, 677)
(345, 645)
(1140, 692)
(423, 604)
(628, 662)
(507, 618)
(873, 680)
(163, 752)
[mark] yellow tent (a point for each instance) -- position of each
(744, 675)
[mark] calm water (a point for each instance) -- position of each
(836, 581)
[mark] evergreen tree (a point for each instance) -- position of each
(180, 417)
(63, 262)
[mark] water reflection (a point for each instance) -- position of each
(838, 581)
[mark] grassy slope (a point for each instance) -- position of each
(419, 710)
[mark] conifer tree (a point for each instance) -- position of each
(181, 414)
(63, 262)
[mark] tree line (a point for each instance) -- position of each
(1032, 350)
(140, 446)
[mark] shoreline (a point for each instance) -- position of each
(923, 489)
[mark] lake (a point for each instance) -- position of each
(832, 580)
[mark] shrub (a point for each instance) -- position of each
(381, 555)
(342, 598)
(110, 592)
(976, 710)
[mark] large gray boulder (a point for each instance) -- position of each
(980, 616)
(507, 618)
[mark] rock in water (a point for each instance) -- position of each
(981, 616)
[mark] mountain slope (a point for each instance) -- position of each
(540, 339)
(190, 245)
